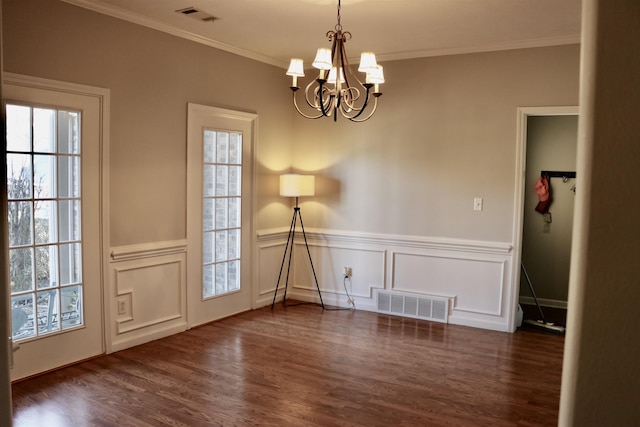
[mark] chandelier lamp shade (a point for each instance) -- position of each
(337, 89)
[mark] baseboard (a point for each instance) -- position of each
(128, 342)
(544, 302)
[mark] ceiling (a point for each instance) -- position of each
(272, 31)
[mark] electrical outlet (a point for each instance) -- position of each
(477, 204)
(347, 272)
(122, 307)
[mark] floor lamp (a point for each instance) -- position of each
(294, 185)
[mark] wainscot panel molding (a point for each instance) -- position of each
(147, 293)
(474, 275)
(144, 250)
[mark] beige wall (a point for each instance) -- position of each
(152, 76)
(444, 133)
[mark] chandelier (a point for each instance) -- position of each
(338, 88)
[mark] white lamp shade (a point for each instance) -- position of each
(367, 62)
(377, 75)
(323, 59)
(332, 76)
(294, 185)
(296, 68)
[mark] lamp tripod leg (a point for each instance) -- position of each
(315, 278)
(284, 257)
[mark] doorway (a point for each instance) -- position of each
(219, 213)
(549, 145)
(55, 155)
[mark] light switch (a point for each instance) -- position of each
(477, 204)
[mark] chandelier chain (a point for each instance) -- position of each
(338, 25)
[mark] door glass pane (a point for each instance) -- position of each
(70, 264)
(19, 185)
(46, 222)
(69, 215)
(222, 147)
(44, 216)
(21, 269)
(222, 178)
(235, 149)
(70, 306)
(208, 280)
(44, 176)
(69, 132)
(20, 223)
(208, 214)
(22, 323)
(208, 247)
(221, 245)
(221, 212)
(234, 180)
(233, 277)
(209, 184)
(234, 212)
(48, 311)
(46, 266)
(44, 130)
(18, 128)
(221, 278)
(69, 176)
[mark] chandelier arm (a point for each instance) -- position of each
(308, 99)
(373, 110)
(295, 104)
(328, 109)
(350, 97)
(324, 104)
(364, 105)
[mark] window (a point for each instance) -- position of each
(45, 246)
(221, 216)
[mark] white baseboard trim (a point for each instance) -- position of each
(544, 302)
(129, 342)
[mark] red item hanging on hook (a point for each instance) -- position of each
(544, 195)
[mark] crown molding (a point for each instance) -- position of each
(489, 47)
(156, 25)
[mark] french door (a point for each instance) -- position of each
(53, 188)
(219, 228)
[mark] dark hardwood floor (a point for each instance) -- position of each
(300, 366)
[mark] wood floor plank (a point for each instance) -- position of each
(302, 366)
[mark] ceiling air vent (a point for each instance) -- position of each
(194, 13)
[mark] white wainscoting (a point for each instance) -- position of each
(147, 293)
(475, 275)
